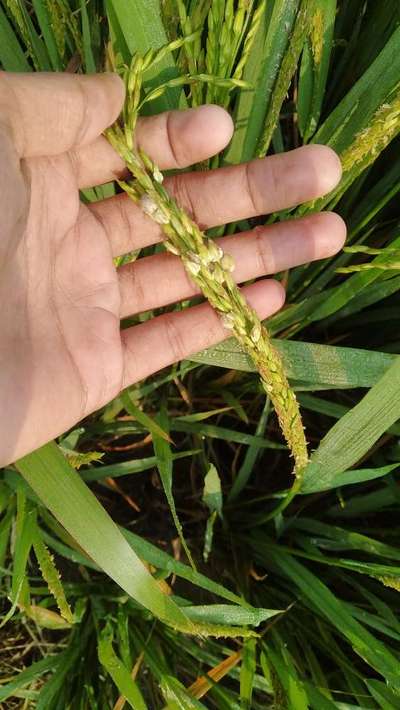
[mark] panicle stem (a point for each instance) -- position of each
(208, 267)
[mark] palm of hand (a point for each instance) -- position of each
(65, 323)
(63, 354)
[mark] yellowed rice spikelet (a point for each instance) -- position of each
(317, 35)
(392, 582)
(207, 265)
(64, 18)
(57, 22)
(384, 126)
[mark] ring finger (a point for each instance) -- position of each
(155, 281)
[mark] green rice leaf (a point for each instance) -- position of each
(304, 19)
(315, 66)
(356, 432)
(309, 362)
(285, 670)
(247, 673)
(137, 26)
(364, 644)
(176, 695)
(12, 58)
(262, 71)
(346, 478)
(24, 532)
(227, 614)
(212, 493)
(118, 672)
(43, 18)
(160, 559)
(126, 468)
(27, 676)
(251, 455)
(62, 490)
(162, 450)
(146, 421)
(88, 57)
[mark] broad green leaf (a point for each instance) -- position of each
(261, 71)
(346, 478)
(352, 437)
(120, 675)
(330, 537)
(227, 614)
(383, 695)
(308, 362)
(137, 26)
(352, 287)
(319, 701)
(146, 551)
(65, 494)
(217, 432)
(160, 559)
(42, 14)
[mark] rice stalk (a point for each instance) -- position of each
(206, 263)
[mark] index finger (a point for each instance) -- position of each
(51, 113)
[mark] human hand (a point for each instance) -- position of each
(62, 353)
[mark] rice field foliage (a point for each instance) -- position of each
(157, 555)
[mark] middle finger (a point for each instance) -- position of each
(155, 281)
(226, 195)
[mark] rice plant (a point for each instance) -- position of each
(160, 554)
